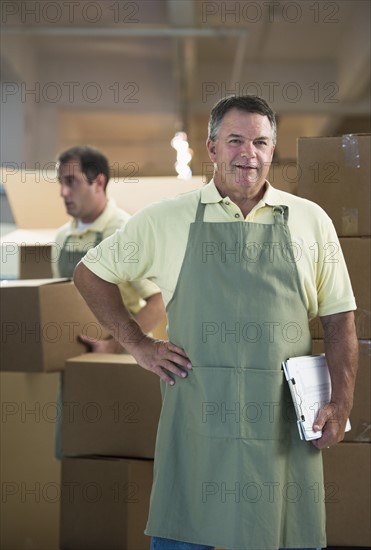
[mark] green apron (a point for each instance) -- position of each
(69, 258)
(230, 468)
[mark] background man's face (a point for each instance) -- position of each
(79, 196)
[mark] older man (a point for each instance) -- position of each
(236, 266)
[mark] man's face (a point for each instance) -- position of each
(242, 153)
(80, 197)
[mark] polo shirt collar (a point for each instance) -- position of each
(211, 195)
(100, 222)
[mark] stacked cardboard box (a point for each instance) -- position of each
(335, 173)
(111, 409)
(105, 503)
(40, 324)
(30, 475)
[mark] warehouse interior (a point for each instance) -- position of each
(126, 77)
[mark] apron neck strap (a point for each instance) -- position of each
(281, 214)
(200, 212)
(98, 238)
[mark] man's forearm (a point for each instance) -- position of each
(152, 313)
(341, 348)
(104, 299)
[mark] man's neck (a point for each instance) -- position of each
(244, 200)
(94, 215)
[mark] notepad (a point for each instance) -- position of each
(309, 381)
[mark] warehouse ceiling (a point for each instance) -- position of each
(125, 75)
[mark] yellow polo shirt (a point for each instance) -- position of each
(153, 243)
(111, 219)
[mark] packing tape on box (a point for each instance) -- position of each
(364, 435)
(350, 147)
(349, 221)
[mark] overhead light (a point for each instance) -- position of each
(183, 155)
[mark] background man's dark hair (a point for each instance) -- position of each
(247, 103)
(92, 161)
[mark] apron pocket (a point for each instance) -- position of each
(266, 407)
(231, 402)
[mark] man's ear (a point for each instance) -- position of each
(100, 181)
(210, 145)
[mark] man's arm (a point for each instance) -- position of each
(341, 349)
(147, 318)
(152, 313)
(104, 299)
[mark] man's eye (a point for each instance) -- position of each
(235, 140)
(261, 142)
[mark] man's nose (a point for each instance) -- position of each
(247, 149)
(64, 190)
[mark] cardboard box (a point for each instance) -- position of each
(105, 504)
(111, 407)
(38, 211)
(40, 324)
(357, 254)
(27, 254)
(334, 172)
(348, 492)
(360, 417)
(30, 475)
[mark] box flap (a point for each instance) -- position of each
(34, 199)
(104, 358)
(362, 134)
(31, 282)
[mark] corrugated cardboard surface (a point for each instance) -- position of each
(357, 254)
(111, 407)
(335, 173)
(360, 417)
(105, 504)
(348, 493)
(30, 475)
(41, 321)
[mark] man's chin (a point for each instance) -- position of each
(70, 210)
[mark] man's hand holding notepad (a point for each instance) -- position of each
(310, 385)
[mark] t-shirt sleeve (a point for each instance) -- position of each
(127, 255)
(334, 289)
(145, 288)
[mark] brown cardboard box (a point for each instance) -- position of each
(30, 475)
(360, 417)
(40, 324)
(284, 176)
(111, 407)
(28, 254)
(105, 503)
(348, 492)
(38, 211)
(357, 254)
(334, 172)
